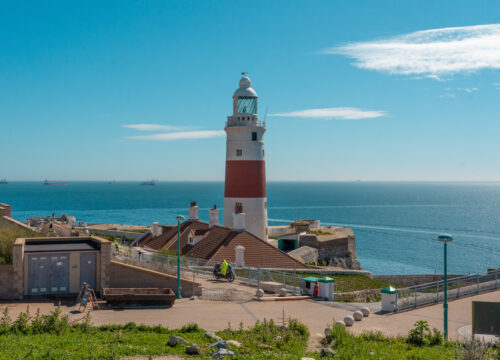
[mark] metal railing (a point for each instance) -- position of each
(418, 295)
(195, 268)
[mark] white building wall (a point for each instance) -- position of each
(240, 137)
(256, 214)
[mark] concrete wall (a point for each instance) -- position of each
(5, 210)
(280, 230)
(129, 276)
(412, 280)
(7, 282)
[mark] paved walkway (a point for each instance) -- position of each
(218, 315)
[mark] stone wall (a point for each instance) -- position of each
(105, 254)
(333, 250)
(6, 282)
(18, 267)
(129, 276)
(412, 280)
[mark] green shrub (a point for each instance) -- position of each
(436, 338)
(22, 324)
(298, 328)
(37, 323)
(417, 335)
(5, 322)
(421, 335)
(190, 328)
(373, 336)
(55, 323)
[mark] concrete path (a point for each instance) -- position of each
(218, 315)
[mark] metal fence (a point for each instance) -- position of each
(418, 295)
(195, 268)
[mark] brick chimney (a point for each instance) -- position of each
(193, 211)
(239, 223)
(214, 217)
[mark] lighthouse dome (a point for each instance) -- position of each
(245, 88)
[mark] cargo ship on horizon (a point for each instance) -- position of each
(3, 182)
(152, 182)
(55, 183)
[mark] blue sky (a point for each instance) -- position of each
(364, 91)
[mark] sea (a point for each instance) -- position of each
(396, 224)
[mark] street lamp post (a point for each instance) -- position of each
(445, 239)
(179, 218)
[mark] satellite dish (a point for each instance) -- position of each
(244, 73)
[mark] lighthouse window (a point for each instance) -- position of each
(254, 136)
(247, 105)
(239, 152)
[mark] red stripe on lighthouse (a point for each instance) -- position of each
(245, 179)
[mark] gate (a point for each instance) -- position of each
(88, 268)
(48, 274)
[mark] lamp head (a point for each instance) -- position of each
(445, 238)
(180, 218)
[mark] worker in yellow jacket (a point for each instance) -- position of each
(223, 267)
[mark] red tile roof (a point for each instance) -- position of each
(219, 243)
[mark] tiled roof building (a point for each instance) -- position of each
(199, 240)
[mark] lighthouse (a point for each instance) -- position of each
(245, 184)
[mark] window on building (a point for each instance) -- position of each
(262, 153)
(191, 240)
(239, 152)
(247, 105)
(265, 206)
(254, 136)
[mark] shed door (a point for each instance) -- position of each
(48, 274)
(59, 273)
(88, 268)
(38, 274)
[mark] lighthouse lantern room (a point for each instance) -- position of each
(245, 183)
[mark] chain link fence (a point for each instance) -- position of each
(418, 295)
(194, 268)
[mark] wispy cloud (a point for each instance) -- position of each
(449, 94)
(341, 113)
(429, 53)
(497, 85)
(154, 127)
(180, 135)
(469, 90)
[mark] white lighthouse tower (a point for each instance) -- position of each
(245, 188)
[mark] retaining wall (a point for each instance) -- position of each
(412, 280)
(5, 210)
(129, 276)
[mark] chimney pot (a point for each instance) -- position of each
(239, 223)
(213, 216)
(193, 211)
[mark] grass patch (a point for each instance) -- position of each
(349, 283)
(374, 345)
(52, 337)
